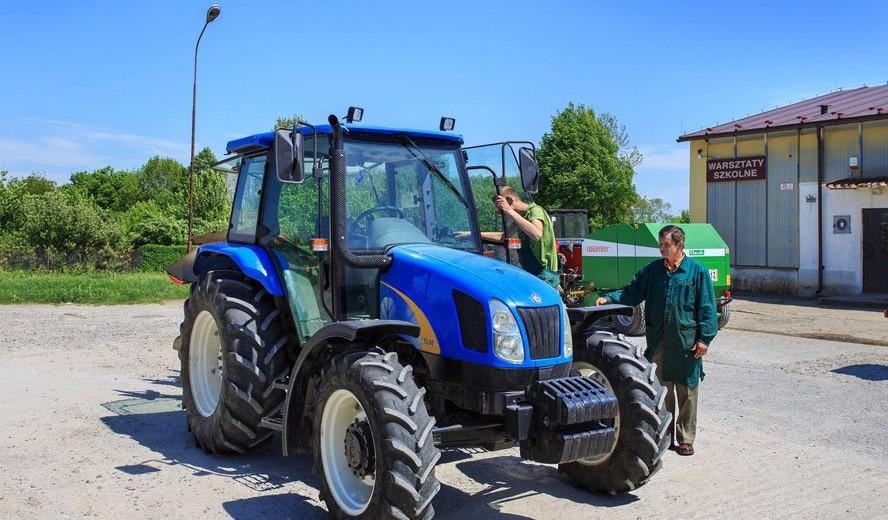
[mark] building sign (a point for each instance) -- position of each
(737, 169)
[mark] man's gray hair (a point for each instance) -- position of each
(675, 233)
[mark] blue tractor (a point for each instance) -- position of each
(351, 308)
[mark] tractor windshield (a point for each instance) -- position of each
(403, 192)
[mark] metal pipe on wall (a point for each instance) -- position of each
(819, 209)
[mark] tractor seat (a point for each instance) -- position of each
(387, 231)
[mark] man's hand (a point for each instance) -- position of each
(461, 234)
(601, 301)
(700, 350)
(503, 206)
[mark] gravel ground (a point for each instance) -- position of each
(789, 428)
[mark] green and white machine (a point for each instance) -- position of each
(607, 259)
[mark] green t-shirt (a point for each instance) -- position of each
(538, 255)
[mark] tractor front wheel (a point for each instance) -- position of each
(642, 425)
(374, 450)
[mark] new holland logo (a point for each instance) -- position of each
(536, 298)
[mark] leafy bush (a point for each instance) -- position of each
(156, 258)
(148, 223)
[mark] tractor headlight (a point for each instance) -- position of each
(507, 342)
(568, 338)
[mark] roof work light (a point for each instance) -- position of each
(355, 114)
(447, 124)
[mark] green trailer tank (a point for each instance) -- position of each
(607, 259)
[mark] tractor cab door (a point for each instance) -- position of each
(290, 221)
(492, 167)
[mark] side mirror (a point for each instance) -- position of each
(287, 153)
(530, 171)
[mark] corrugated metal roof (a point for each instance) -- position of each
(854, 104)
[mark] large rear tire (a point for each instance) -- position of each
(643, 424)
(233, 348)
(724, 317)
(632, 325)
(374, 451)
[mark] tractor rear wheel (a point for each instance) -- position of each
(724, 317)
(374, 450)
(632, 325)
(233, 348)
(643, 423)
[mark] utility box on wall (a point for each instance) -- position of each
(841, 224)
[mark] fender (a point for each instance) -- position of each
(339, 335)
(583, 317)
(252, 260)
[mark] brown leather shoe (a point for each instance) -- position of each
(685, 449)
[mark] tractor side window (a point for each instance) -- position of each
(245, 211)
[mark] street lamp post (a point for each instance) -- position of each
(212, 13)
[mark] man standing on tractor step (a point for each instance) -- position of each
(681, 323)
(538, 254)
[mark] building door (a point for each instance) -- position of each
(875, 250)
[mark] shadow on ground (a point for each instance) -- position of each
(507, 479)
(504, 479)
(867, 371)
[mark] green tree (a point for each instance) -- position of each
(12, 193)
(585, 163)
(165, 181)
(682, 218)
(109, 189)
(212, 203)
(651, 210)
(286, 122)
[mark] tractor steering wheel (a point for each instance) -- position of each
(368, 216)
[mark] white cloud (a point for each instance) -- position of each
(47, 151)
(59, 148)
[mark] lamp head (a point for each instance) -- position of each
(213, 12)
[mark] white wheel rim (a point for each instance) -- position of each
(591, 371)
(351, 492)
(205, 363)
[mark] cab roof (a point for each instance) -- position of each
(263, 141)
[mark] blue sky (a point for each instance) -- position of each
(94, 83)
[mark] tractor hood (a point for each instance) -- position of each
(446, 292)
(476, 274)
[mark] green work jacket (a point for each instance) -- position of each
(679, 311)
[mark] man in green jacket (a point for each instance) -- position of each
(681, 323)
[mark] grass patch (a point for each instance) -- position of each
(89, 288)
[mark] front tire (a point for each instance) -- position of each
(233, 348)
(632, 325)
(374, 452)
(642, 426)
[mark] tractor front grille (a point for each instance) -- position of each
(543, 327)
